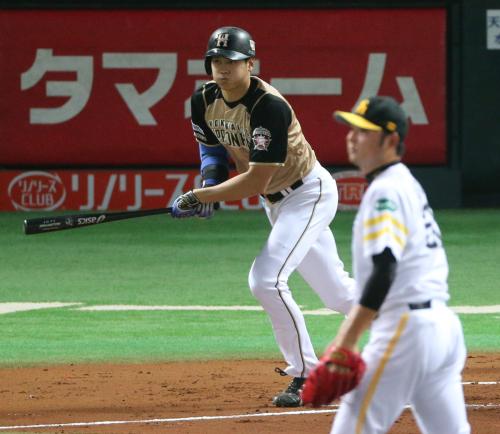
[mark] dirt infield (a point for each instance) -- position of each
(203, 397)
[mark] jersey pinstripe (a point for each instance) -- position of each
(394, 213)
(261, 128)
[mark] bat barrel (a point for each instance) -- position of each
(39, 225)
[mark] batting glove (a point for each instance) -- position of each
(206, 210)
(186, 205)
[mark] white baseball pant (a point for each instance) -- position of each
(301, 239)
(413, 357)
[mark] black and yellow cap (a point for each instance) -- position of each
(378, 113)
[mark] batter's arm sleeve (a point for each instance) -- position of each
(214, 164)
(213, 156)
(378, 284)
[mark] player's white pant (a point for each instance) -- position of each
(413, 357)
(301, 239)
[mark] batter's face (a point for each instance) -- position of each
(232, 76)
(369, 150)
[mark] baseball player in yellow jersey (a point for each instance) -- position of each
(416, 352)
(242, 117)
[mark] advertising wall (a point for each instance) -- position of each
(129, 190)
(111, 87)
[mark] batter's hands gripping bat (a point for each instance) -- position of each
(58, 223)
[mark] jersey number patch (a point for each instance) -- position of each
(432, 232)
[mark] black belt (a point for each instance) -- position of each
(422, 305)
(276, 197)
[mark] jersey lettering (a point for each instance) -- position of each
(432, 232)
(229, 133)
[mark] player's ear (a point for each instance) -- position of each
(250, 64)
(391, 140)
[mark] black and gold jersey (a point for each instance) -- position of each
(260, 128)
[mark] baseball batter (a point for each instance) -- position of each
(416, 352)
(241, 117)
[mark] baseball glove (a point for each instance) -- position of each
(339, 371)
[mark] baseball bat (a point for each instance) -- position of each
(61, 222)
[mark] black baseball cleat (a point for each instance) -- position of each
(290, 397)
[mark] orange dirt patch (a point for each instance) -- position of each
(137, 393)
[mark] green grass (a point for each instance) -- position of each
(482, 332)
(158, 260)
(472, 241)
(150, 260)
(66, 336)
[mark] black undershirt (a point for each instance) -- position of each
(379, 282)
(384, 264)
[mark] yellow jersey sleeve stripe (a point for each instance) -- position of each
(378, 373)
(386, 217)
(377, 234)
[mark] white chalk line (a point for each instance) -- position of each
(27, 306)
(315, 312)
(171, 420)
(201, 418)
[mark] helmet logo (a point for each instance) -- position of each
(222, 39)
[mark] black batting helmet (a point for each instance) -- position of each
(230, 42)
